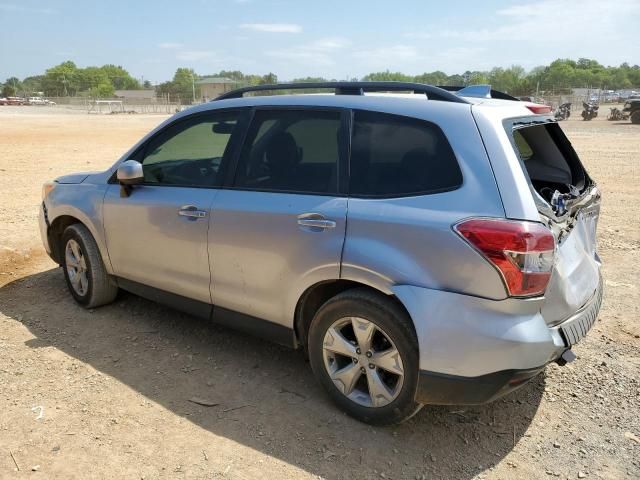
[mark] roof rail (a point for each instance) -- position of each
(352, 88)
(478, 91)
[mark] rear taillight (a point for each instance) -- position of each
(523, 252)
(538, 109)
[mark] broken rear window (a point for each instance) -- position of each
(549, 159)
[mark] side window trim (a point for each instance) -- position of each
(346, 131)
(343, 148)
(241, 138)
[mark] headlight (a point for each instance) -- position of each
(47, 188)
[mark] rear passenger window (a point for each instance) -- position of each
(291, 151)
(393, 155)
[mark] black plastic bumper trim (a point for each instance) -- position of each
(442, 389)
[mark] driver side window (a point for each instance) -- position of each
(190, 152)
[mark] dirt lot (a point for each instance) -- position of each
(106, 393)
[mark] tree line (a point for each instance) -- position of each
(66, 79)
(560, 76)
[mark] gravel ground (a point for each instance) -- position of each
(135, 390)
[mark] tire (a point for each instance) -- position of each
(635, 117)
(95, 287)
(393, 333)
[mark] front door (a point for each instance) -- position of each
(280, 226)
(157, 236)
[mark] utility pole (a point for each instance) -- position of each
(193, 87)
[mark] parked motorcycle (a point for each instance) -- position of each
(590, 110)
(563, 112)
(617, 114)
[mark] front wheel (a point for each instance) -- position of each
(364, 351)
(87, 279)
(635, 117)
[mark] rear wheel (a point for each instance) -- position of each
(84, 271)
(363, 350)
(635, 117)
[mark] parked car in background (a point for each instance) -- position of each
(16, 101)
(429, 248)
(36, 101)
(3, 101)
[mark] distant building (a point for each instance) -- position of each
(211, 87)
(147, 94)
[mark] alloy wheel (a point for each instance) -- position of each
(363, 362)
(76, 266)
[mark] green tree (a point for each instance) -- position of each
(310, 80)
(184, 85)
(432, 78)
(120, 78)
(102, 90)
(269, 78)
(61, 80)
(387, 76)
(230, 74)
(181, 87)
(89, 78)
(33, 84)
(12, 86)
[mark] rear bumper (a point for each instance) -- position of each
(575, 328)
(475, 350)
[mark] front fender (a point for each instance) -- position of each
(84, 203)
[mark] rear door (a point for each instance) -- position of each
(280, 224)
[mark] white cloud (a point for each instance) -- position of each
(526, 34)
(389, 57)
(10, 7)
(194, 55)
(273, 27)
(317, 53)
(418, 35)
(169, 45)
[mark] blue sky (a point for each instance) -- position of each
(334, 39)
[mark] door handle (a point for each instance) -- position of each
(315, 221)
(191, 212)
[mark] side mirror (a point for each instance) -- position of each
(129, 173)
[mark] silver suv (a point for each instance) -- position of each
(422, 245)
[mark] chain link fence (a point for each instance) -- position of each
(118, 105)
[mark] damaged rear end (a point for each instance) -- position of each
(541, 179)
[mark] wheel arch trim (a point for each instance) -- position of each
(314, 296)
(67, 215)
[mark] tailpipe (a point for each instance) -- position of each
(567, 357)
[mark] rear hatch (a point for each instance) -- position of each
(569, 204)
